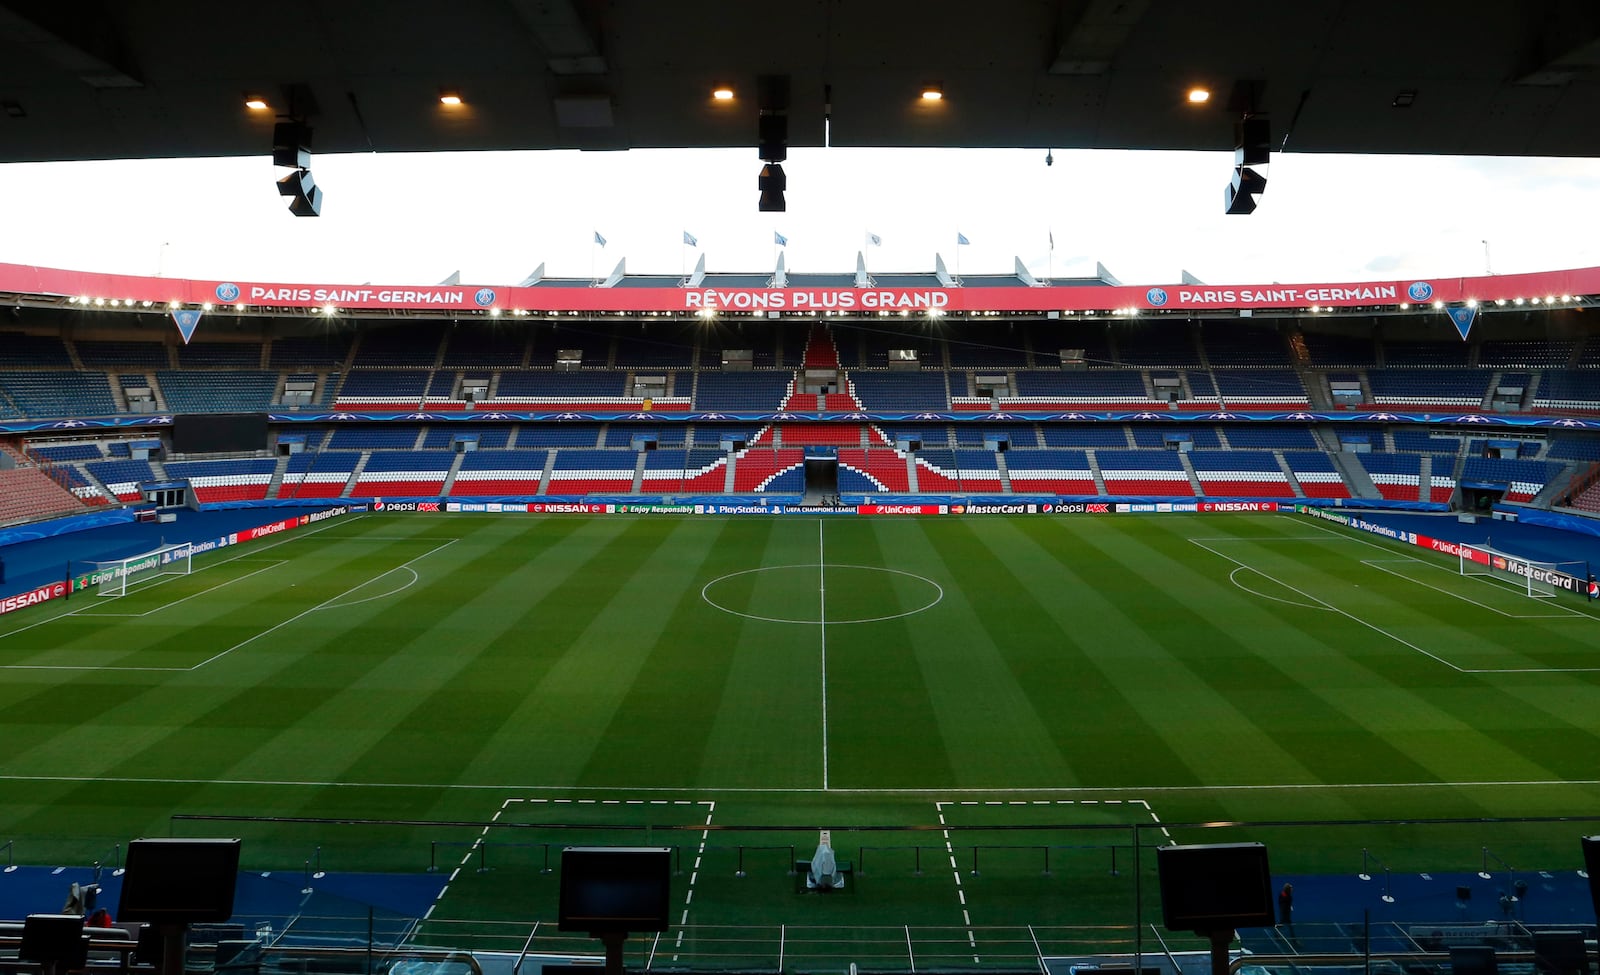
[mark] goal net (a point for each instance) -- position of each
(1539, 580)
(114, 578)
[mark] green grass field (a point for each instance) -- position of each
(1018, 689)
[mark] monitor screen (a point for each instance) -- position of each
(608, 889)
(48, 938)
(1215, 887)
(179, 881)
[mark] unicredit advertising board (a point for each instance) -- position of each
(52, 282)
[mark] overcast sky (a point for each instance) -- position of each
(412, 219)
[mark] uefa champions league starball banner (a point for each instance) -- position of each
(18, 279)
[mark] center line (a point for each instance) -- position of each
(822, 628)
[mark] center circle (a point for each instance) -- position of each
(815, 579)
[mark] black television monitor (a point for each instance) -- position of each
(1591, 866)
(56, 939)
(607, 889)
(1215, 887)
(179, 881)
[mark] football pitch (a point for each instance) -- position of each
(993, 715)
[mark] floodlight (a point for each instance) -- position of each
(932, 92)
(722, 93)
(450, 97)
(772, 184)
(1199, 96)
(255, 103)
(306, 196)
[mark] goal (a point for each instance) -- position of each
(1539, 580)
(114, 577)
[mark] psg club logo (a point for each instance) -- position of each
(484, 297)
(1420, 291)
(227, 291)
(1156, 296)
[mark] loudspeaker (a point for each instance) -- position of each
(1215, 887)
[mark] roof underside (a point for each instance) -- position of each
(84, 79)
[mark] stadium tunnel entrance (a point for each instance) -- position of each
(822, 475)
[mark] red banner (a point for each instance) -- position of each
(1238, 506)
(902, 509)
(149, 292)
(32, 597)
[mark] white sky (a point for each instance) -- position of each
(412, 219)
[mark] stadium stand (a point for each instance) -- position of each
(386, 436)
(122, 354)
(219, 355)
(1425, 353)
(1260, 389)
(1093, 435)
(1326, 349)
(1144, 472)
(1428, 387)
(122, 477)
(736, 391)
(1163, 343)
(216, 391)
(500, 348)
(873, 471)
(28, 494)
(762, 470)
(1240, 474)
(1050, 472)
(412, 344)
(578, 471)
(1523, 478)
(318, 475)
(684, 472)
(908, 391)
(35, 351)
(486, 473)
(328, 350)
(1396, 476)
(1043, 390)
(410, 473)
(375, 389)
(1238, 344)
(1317, 476)
(1568, 392)
(558, 435)
(55, 393)
(224, 480)
(1269, 437)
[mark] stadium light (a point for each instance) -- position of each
(255, 103)
(722, 93)
(1199, 96)
(932, 92)
(450, 98)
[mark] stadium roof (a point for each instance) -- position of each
(83, 79)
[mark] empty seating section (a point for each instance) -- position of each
(382, 389)
(1270, 437)
(1144, 472)
(28, 493)
(1396, 476)
(1572, 392)
(840, 403)
(224, 480)
(1317, 476)
(311, 377)
(1575, 448)
(1157, 435)
(554, 390)
(329, 350)
(874, 471)
(1523, 478)
(980, 348)
(1527, 353)
(443, 436)
(1436, 353)
(1237, 344)
(486, 347)
(978, 471)
(661, 346)
(780, 471)
(59, 393)
(486, 473)
(1420, 441)
(909, 391)
(220, 355)
(869, 348)
(1428, 387)
(1263, 388)
(712, 435)
(122, 355)
(578, 471)
(1155, 344)
(386, 436)
(1041, 389)
(24, 349)
(621, 435)
(742, 391)
(400, 345)
(70, 451)
(1050, 472)
(1016, 434)
(1093, 435)
(1240, 474)
(558, 435)
(404, 473)
(1340, 350)
(318, 475)
(595, 346)
(122, 477)
(1201, 387)
(1049, 339)
(1443, 478)
(824, 434)
(684, 472)
(74, 480)
(234, 391)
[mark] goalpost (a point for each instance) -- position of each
(1539, 580)
(113, 578)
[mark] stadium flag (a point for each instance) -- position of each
(961, 239)
(688, 238)
(187, 319)
(1463, 318)
(599, 239)
(1052, 240)
(780, 239)
(875, 240)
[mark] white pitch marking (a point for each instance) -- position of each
(822, 633)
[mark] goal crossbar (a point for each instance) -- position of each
(1538, 580)
(112, 577)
